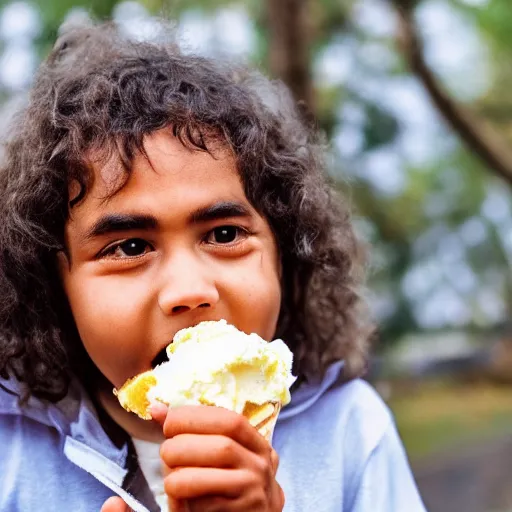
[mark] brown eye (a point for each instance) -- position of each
(225, 234)
(131, 248)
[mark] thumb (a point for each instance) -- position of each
(115, 504)
(158, 412)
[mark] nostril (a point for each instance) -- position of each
(180, 309)
(184, 309)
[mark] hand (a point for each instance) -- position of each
(115, 504)
(215, 460)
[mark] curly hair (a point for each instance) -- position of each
(98, 90)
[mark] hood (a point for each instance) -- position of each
(87, 445)
(85, 442)
(74, 416)
(310, 392)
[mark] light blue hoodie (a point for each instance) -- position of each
(338, 447)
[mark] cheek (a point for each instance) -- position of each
(266, 306)
(256, 291)
(109, 323)
(267, 290)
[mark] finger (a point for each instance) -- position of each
(193, 450)
(158, 412)
(178, 505)
(189, 483)
(274, 462)
(211, 504)
(214, 421)
(115, 504)
(281, 498)
(253, 500)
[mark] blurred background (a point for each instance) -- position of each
(415, 97)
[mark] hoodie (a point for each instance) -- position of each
(338, 446)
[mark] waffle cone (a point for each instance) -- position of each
(132, 397)
(263, 417)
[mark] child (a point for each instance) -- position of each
(144, 191)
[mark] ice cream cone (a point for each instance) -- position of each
(132, 397)
(214, 363)
(133, 394)
(263, 417)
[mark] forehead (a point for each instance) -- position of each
(169, 172)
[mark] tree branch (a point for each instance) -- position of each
(289, 31)
(477, 133)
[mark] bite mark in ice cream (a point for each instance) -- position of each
(214, 363)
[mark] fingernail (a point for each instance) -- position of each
(157, 409)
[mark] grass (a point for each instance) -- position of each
(439, 416)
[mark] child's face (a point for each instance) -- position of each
(178, 244)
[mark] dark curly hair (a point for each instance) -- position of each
(100, 91)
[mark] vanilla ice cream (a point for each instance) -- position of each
(214, 363)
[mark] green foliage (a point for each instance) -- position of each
(380, 127)
(451, 176)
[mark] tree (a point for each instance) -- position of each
(474, 130)
(440, 216)
(290, 37)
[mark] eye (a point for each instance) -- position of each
(225, 235)
(131, 248)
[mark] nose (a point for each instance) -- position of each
(187, 286)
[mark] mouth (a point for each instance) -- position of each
(160, 358)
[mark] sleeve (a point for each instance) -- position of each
(387, 483)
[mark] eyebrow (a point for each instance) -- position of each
(118, 222)
(220, 210)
